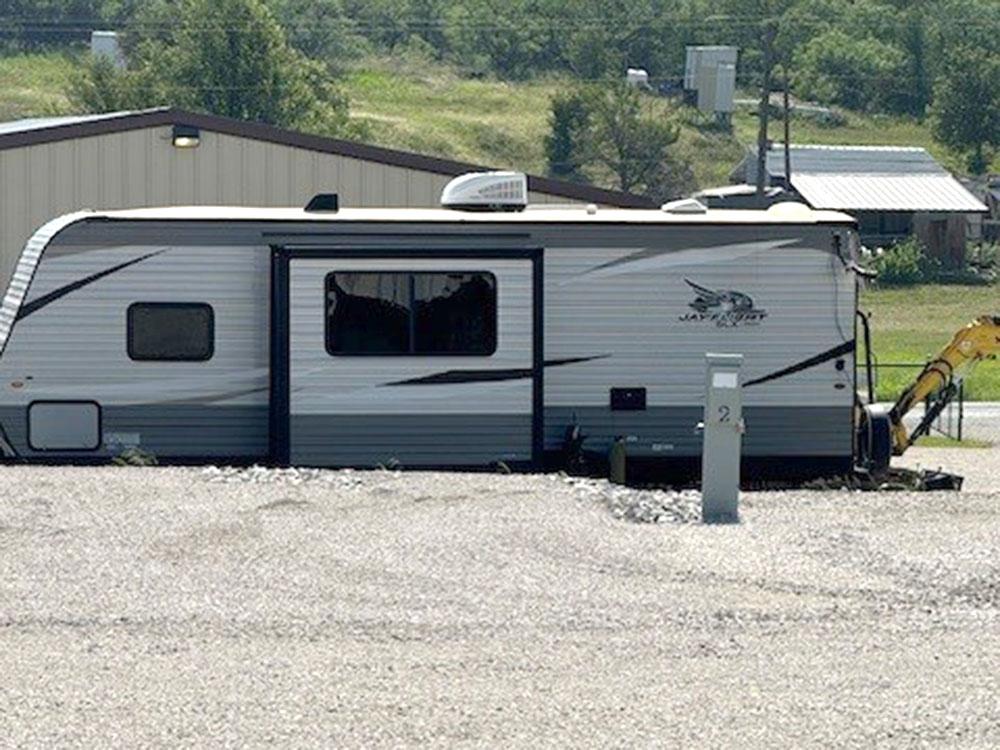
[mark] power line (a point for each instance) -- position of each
(569, 79)
(86, 24)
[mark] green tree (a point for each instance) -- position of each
(319, 29)
(508, 38)
(99, 86)
(966, 109)
(566, 142)
(603, 135)
(836, 68)
(34, 24)
(633, 146)
(383, 22)
(227, 57)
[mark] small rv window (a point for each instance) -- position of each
(171, 331)
(411, 313)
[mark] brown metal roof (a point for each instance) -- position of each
(59, 129)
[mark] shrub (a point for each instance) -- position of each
(564, 145)
(134, 457)
(980, 266)
(984, 256)
(904, 264)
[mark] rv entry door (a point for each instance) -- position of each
(407, 358)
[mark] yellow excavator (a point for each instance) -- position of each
(883, 433)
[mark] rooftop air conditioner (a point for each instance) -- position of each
(487, 191)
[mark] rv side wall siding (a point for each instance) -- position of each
(634, 318)
(616, 298)
(75, 348)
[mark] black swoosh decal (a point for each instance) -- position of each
(486, 376)
(7, 445)
(837, 351)
(652, 252)
(483, 376)
(46, 299)
(212, 398)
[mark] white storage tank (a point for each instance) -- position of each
(637, 77)
(711, 74)
(105, 44)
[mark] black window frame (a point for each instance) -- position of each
(412, 353)
(129, 325)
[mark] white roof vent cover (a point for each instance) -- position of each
(684, 206)
(487, 191)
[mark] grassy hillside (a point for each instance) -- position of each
(430, 109)
(912, 325)
(426, 107)
(436, 112)
(34, 85)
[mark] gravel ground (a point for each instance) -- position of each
(980, 467)
(213, 607)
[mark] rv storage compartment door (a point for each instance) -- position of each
(410, 360)
(64, 426)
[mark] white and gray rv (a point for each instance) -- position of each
(480, 332)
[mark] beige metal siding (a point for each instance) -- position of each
(142, 168)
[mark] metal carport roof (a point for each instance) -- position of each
(886, 192)
(869, 178)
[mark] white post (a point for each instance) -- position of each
(723, 439)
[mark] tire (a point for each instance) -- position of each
(875, 441)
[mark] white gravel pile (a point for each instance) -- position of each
(624, 503)
(292, 476)
(640, 505)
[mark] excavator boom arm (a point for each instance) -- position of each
(974, 343)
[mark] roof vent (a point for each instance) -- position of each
(324, 202)
(791, 210)
(487, 191)
(684, 206)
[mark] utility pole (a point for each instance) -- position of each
(768, 33)
(787, 114)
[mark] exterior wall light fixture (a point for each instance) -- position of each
(186, 136)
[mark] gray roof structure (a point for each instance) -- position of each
(868, 178)
(31, 124)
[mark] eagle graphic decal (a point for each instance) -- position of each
(724, 307)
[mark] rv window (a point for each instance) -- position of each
(415, 313)
(171, 331)
(454, 313)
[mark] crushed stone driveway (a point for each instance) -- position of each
(179, 607)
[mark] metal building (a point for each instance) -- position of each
(162, 157)
(893, 191)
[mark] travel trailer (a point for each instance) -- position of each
(480, 332)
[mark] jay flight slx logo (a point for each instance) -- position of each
(724, 307)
